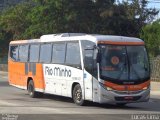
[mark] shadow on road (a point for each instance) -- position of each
(144, 106)
(4, 84)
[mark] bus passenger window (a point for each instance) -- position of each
(23, 53)
(45, 53)
(73, 54)
(14, 52)
(34, 53)
(58, 54)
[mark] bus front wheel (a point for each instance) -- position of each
(77, 95)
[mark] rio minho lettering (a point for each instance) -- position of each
(57, 71)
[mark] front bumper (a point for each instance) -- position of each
(113, 96)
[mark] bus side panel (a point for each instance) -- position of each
(38, 78)
(59, 79)
(17, 75)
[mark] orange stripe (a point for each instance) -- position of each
(24, 41)
(18, 77)
(18, 42)
(120, 43)
(127, 87)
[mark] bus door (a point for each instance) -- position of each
(90, 73)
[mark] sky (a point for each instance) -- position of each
(151, 4)
(155, 4)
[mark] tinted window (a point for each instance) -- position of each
(45, 53)
(88, 60)
(73, 54)
(123, 63)
(87, 45)
(14, 52)
(34, 53)
(87, 49)
(23, 53)
(138, 62)
(58, 53)
(113, 62)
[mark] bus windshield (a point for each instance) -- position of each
(123, 63)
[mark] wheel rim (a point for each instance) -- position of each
(78, 95)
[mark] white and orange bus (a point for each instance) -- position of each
(98, 68)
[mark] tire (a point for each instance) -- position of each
(77, 95)
(31, 90)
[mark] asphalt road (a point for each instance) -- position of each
(17, 105)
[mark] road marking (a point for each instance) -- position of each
(2, 103)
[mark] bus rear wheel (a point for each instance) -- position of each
(77, 95)
(31, 90)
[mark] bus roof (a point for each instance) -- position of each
(101, 39)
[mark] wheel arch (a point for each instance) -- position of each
(29, 79)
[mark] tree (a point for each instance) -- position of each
(38, 17)
(13, 23)
(14, 20)
(150, 34)
(128, 18)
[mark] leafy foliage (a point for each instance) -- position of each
(150, 34)
(37, 17)
(14, 19)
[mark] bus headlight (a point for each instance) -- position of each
(106, 87)
(145, 88)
